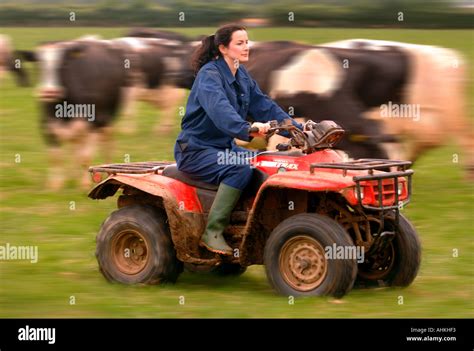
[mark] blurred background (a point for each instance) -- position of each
(35, 209)
(162, 13)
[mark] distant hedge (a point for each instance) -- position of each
(384, 14)
(182, 13)
(191, 15)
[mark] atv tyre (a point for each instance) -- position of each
(295, 257)
(397, 265)
(134, 246)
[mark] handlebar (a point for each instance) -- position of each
(324, 134)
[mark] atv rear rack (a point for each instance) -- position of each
(370, 165)
(132, 167)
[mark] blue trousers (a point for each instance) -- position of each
(216, 165)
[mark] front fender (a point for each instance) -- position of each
(326, 181)
(259, 226)
(304, 180)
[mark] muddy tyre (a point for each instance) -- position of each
(397, 265)
(134, 247)
(295, 260)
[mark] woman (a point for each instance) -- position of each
(222, 96)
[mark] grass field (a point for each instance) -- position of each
(63, 225)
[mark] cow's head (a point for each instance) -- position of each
(52, 58)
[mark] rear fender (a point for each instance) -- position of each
(180, 201)
(173, 192)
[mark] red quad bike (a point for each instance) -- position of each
(318, 223)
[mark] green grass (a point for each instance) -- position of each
(442, 210)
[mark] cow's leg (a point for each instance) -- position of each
(56, 172)
(86, 147)
(106, 143)
(167, 99)
(128, 120)
(19, 72)
(363, 137)
(391, 127)
(454, 99)
(55, 154)
(2, 73)
(466, 145)
(59, 136)
(78, 136)
(395, 151)
(85, 154)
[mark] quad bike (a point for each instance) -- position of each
(303, 215)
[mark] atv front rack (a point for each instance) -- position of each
(132, 167)
(380, 188)
(369, 164)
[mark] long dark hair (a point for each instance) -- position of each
(209, 48)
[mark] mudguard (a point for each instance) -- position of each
(173, 192)
(251, 252)
(181, 203)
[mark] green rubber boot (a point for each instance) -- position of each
(218, 219)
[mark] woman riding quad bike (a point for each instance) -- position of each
(317, 221)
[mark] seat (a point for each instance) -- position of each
(207, 192)
(172, 171)
(258, 178)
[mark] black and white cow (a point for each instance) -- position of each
(367, 86)
(435, 87)
(158, 67)
(180, 49)
(105, 75)
(320, 83)
(80, 94)
(157, 34)
(327, 83)
(162, 59)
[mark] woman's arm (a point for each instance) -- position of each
(212, 97)
(264, 109)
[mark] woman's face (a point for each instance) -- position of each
(238, 48)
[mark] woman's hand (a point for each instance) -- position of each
(262, 129)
